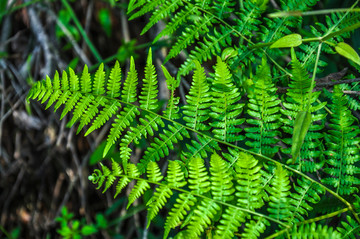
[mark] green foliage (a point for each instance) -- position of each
(229, 193)
(71, 228)
(343, 150)
(256, 152)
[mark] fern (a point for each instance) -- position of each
(227, 182)
(311, 230)
(264, 108)
(297, 100)
(343, 152)
(225, 107)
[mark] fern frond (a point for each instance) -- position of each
(130, 173)
(99, 81)
(161, 146)
(279, 205)
(147, 126)
(314, 231)
(191, 33)
(144, 5)
(200, 148)
(104, 115)
(139, 189)
(209, 47)
(161, 194)
(148, 100)
(222, 188)
(225, 107)
(178, 211)
(175, 176)
(177, 20)
(230, 222)
(198, 176)
(343, 151)
(91, 111)
(114, 82)
(157, 201)
(122, 121)
(350, 229)
(249, 189)
(306, 193)
(198, 101)
(162, 12)
(128, 93)
(203, 215)
(254, 227)
(264, 108)
(172, 108)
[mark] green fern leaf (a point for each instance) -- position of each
(297, 100)
(190, 34)
(139, 189)
(350, 229)
(99, 81)
(230, 222)
(128, 94)
(91, 111)
(183, 204)
(131, 172)
(306, 193)
(122, 121)
(148, 100)
(254, 227)
(172, 109)
(162, 12)
(343, 152)
(202, 218)
(198, 176)
(249, 189)
(162, 144)
(200, 148)
(279, 205)
(222, 188)
(105, 114)
(113, 84)
(85, 80)
(198, 101)
(177, 20)
(314, 231)
(225, 108)
(264, 108)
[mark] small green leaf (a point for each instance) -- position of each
(228, 53)
(347, 51)
(301, 127)
(88, 230)
(291, 40)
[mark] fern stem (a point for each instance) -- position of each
(310, 13)
(313, 77)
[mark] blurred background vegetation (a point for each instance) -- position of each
(44, 190)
